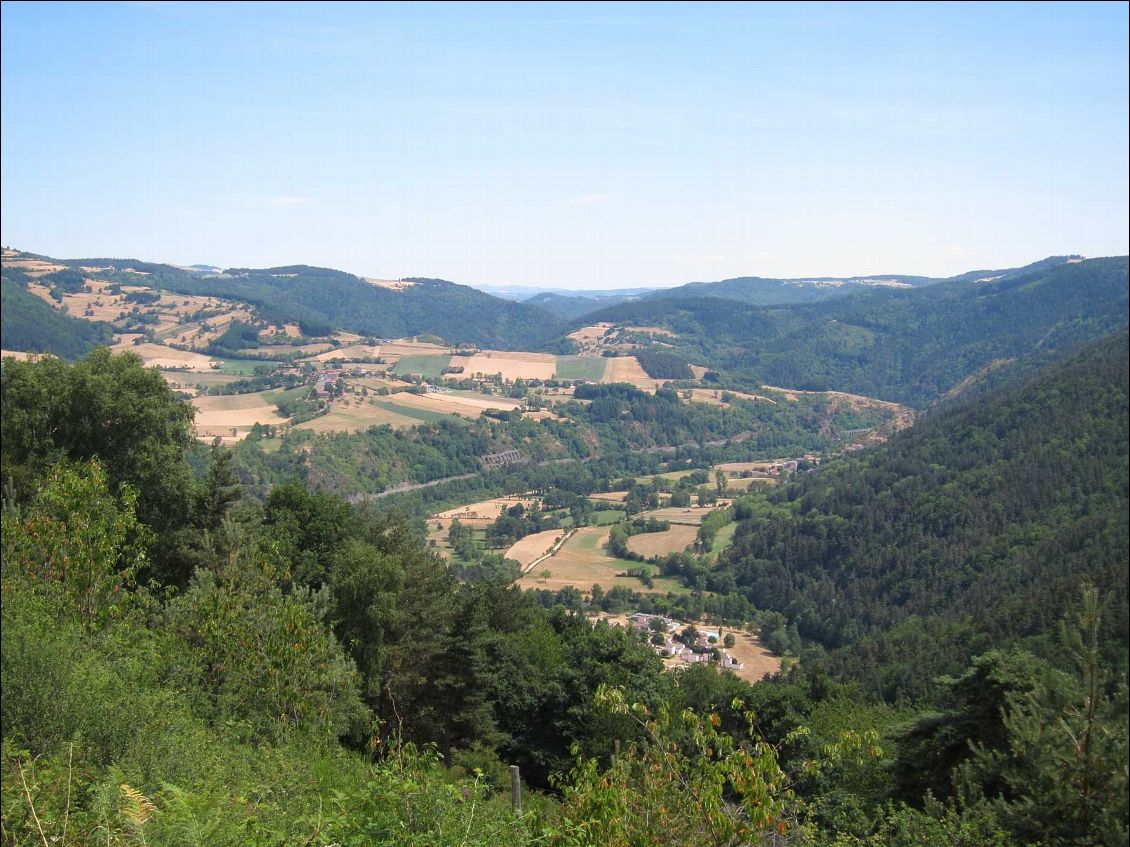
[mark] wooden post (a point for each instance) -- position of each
(515, 790)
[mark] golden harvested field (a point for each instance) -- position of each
(32, 267)
(627, 369)
(540, 415)
(406, 347)
(166, 357)
(231, 416)
(581, 562)
(588, 336)
(690, 515)
(758, 661)
(485, 511)
(510, 365)
(713, 396)
(373, 383)
(392, 284)
(354, 415)
(674, 540)
(307, 349)
(469, 406)
(529, 548)
(233, 402)
(739, 467)
(610, 496)
(191, 379)
(21, 356)
(350, 353)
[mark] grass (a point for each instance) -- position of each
(207, 379)
(607, 517)
(278, 396)
(424, 365)
(244, 367)
(422, 415)
(581, 367)
(722, 539)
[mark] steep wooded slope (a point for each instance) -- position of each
(975, 527)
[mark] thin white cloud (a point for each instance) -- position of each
(288, 201)
(587, 200)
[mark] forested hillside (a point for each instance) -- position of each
(32, 325)
(185, 665)
(569, 308)
(909, 346)
(322, 300)
(973, 529)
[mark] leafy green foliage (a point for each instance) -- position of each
(27, 323)
(106, 406)
(662, 365)
(977, 524)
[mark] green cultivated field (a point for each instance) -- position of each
(423, 365)
(607, 517)
(242, 367)
(581, 367)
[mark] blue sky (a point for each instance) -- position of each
(570, 145)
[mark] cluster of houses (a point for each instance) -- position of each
(707, 643)
(325, 382)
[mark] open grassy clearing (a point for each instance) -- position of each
(167, 357)
(407, 410)
(511, 365)
(235, 402)
(689, 515)
(628, 369)
(355, 416)
(191, 379)
(581, 367)
(741, 467)
(375, 383)
(243, 367)
(351, 353)
(466, 403)
(609, 496)
(674, 540)
(484, 511)
(648, 330)
(426, 366)
(540, 415)
(283, 349)
(528, 549)
(722, 539)
(758, 661)
(607, 517)
(583, 561)
(409, 347)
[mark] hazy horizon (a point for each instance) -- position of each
(568, 146)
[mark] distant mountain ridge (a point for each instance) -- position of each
(763, 291)
(758, 291)
(322, 300)
(909, 345)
